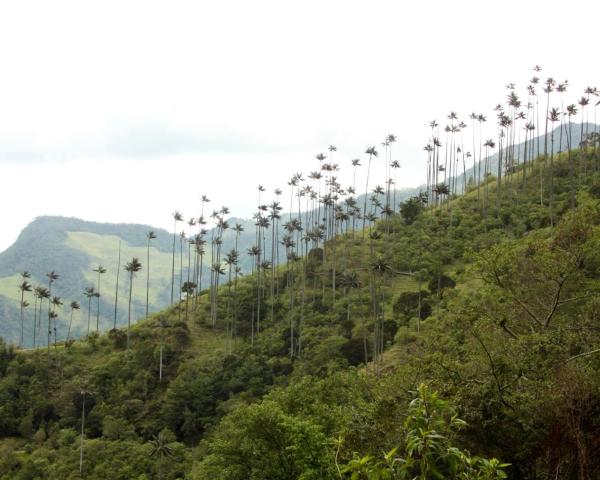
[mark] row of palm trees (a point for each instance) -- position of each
(42, 293)
(320, 209)
(518, 139)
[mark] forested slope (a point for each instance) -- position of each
(326, 366)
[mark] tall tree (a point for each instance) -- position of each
(117, 286)
(74, 306)
(89, 293)
(177, 217)
(52, 277)
(56, 303)
(132, 268)
(100, 270)
(24, 287)
(160, 449)
(554, 117)
(150, 235)
(372, 153)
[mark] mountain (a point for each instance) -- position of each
(453, 336)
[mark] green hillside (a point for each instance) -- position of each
(74, 248)
(325, 367)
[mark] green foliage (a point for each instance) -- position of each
(428, 450)
(508, 334)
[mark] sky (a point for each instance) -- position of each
(124, 111)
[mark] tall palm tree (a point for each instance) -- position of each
(150, 236)
(74, 306)
(372, 153)
(24, 286)
(191, 241)
(52, 277)
(132, 268)
(56, 302)
(571, 112)
(553, 118)
(389, 141)
(42, 293)
(100, 270)
(23, 306)
(380, 267)
(583, 102)
(161, 449)
(548, 89)
(348, 281)
(177, 217)
(89, 293)
(182, 240)
(117, 286)
(84, 391)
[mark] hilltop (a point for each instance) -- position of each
(490, 298)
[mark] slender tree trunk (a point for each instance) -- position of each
(129, 309)
(147, 276)
(117, 286)
(82, 437)
(98, 307)
(70, 324)
(22, 320)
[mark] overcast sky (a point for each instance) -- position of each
(125, 111)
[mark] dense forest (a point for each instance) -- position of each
(455, 334)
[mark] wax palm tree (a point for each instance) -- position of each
(379, 267)
(117, 286)
(254, 252)
(74, 306)
(348, 281)
(583, 102)
(42, 293)
(188, 288)
(389, 142)
(372, 153)
(52, 277)
(161, 449)
(191, 223)
(548, 89)
(100, 270)
(89, 293)
(553, 117)
(177, 217)
(24, 287)
(489, 145)
(132, 268)
(56, 302)
(84, 391)
(149, 236)
(182, 240)
(571, 112)
(217, 270)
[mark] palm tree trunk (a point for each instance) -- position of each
(366, 195)
(147, 276)
(70, 324)
(82, 437)
(129, 308)
(34, 319)
(98, 307)
(117, 286)
(22, 319)
(173, 264)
